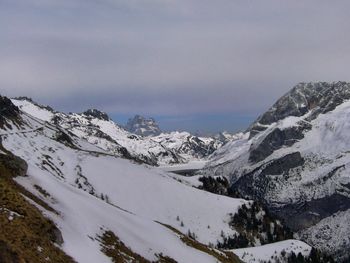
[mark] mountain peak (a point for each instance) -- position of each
(143, 126)
(97, 114)
(30, 100)
(24, 98)
(314, 97)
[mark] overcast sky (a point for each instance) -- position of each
(192, 64)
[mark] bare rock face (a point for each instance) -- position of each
(97, 114)
(295, 159)
(276, 140)
(258, 183)
(8, 111)
(143, 126)
(318, 97)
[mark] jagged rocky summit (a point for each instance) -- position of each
(143, 126)
(97, 114)
(295, 159)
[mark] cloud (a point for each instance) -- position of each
(169, 57)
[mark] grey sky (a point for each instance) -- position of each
(171, 58)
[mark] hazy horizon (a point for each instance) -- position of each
(203, 125)
(192, 65)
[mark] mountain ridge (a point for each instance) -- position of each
(294, 159)
(98, 128)
(116, 211)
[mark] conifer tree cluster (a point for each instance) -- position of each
(217, 185)
(314, 257)
(252, 223)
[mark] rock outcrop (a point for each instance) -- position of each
(143, 126)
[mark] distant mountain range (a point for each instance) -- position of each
(141, 139)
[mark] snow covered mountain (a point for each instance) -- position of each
(64, 199)
(95, 196)
(143, 126)
(295, 159)
(226, 137)
(97, 128)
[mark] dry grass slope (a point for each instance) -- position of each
(26, 236)
(120, 253)
(115, 249)
(221, 255)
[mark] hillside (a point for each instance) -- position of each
(73, 201)
(123, 204)
(295, 160)
(97, 128)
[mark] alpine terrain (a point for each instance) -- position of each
(295, 160)
(155, 149)
(142, 126)
(77, 188)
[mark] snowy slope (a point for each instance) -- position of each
(331, 234)
(98, 129)
(295, 159)
(188, 146)
(226, 137)
(272, 252)
(325, 147)
(94, 192)
(135, 197)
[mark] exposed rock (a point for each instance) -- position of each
(330, 235)
(295, 160)
(283, 165)
(29, 230)
(197, 147)
(97, 114)
(258, 183)
(318, 97)
(143, 126)
(8, 111)
(306, 214)
(224, 137)
(276, 140)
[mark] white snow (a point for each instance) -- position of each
(192, 165)
(37, 112)
(272, 252)
(330, 234)
(165, 149)
(138, 196)
(326, 151)
(230, 151)
(325, 147)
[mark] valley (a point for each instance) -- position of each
(175, 197)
